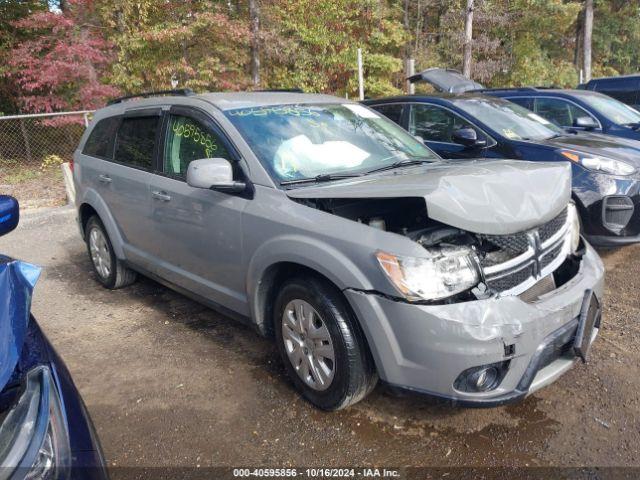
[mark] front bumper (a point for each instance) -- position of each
(609, 209)
(425, 347)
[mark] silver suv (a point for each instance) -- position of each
(333, 231)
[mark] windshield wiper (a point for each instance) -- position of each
(398, 164)
(325, 177)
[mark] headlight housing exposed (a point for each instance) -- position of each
(574, 227)
(443, 273)
(598, 163)
(33, 435)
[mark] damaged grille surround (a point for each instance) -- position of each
(534, 255)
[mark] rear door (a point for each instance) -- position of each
(197, 232)
(125, 181)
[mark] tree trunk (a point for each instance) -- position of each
(64, 6)
(254, 17)
(586, 46)
(468, 36)
(577, 51)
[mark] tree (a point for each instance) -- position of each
(468, 38)
(61, 64)
(10, 12)
(587, 38)
(203, 44)
(254, 18)
(312, 44)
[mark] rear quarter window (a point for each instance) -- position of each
(101, 140)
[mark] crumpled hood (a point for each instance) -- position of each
(597, 144)
(17, 280)
(484, 196)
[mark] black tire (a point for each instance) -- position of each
(119, 276)
(354, 372)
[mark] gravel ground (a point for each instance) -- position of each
(33, 186)
(170, 383)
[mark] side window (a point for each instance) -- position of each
(188, 140)
(136, 141)
(392, 112)
(102, 139)
(525, 102)
(435, 124)
(559, 111)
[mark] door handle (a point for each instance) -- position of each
(104, 178)
(161, 196)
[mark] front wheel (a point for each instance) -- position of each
(323, 348)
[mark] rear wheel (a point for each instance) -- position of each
(111, 272)
(323, 349)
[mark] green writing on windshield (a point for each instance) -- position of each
(291, 110)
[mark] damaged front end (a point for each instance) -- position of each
(460, 265)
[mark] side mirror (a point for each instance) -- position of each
(588, 123)
(468, 137)
(213, 174)
(9, 214)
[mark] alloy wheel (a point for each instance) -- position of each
(308, 344)
(100, 255)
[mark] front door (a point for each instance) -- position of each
(198, 233)
(435, 125)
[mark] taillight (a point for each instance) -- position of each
(71, 164)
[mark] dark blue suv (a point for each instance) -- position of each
(625, 88)
(578, 110)
(606, 171)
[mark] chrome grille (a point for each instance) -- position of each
(550, 228)
(511, 279)
(550, 256)
(519, 242)
(525, 257)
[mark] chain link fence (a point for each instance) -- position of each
(32, 148)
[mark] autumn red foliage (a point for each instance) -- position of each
(60, 67)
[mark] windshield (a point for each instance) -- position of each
(508, 119)
(306, 141)
(611, 108)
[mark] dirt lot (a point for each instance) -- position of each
(32, 185)
(169, 382)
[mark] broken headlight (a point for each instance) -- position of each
(34, 443)
(574, 227)
(445, 272)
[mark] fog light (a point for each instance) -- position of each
(482, 378)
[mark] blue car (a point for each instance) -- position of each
(606, 170)
(577, 110)
(45, 430)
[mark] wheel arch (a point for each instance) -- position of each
(92, 204)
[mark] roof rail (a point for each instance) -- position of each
(185, 92)
(510, 89)
(282, 90)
